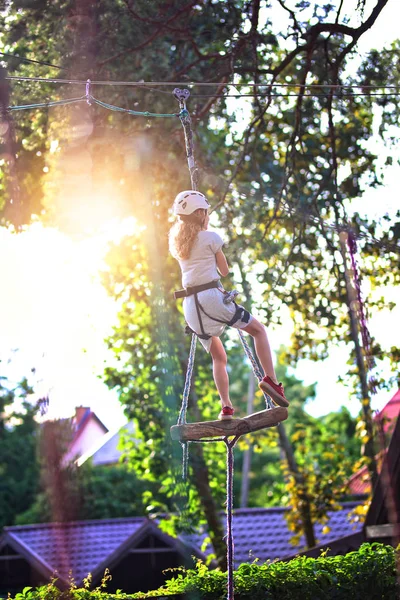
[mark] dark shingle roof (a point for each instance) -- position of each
(262, 533)
(80, 547)
(84, 547)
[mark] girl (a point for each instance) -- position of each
(207, 307)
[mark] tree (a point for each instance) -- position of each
(325, 451)
(65, 492)
(91, 493)
(267, 482)
(18, 435)
(290, 170)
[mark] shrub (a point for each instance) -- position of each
(367, 574)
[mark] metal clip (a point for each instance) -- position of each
(88, 94)
(181, 96)
(230, 296)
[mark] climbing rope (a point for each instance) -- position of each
(185, 402)
(362, 317)
(184, 116)
(229, 512)
(256, 368)
(94, 100)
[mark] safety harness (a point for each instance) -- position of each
(240, 313)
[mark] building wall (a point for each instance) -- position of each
(91, 433)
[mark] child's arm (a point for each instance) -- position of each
(222, 263)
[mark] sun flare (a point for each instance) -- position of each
(55, 311)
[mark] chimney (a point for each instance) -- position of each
(80, 412)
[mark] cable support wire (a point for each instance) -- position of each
(203, 84)
(31, 60)
(89, 98)
(341, 91)
(339, 94)
(47, 104)
(183, 115)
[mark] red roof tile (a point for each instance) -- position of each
(359, 483)
(389, 412)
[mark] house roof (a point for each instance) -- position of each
(359, 483)
(384, 508)
(262, 533)
(83, 420)
(390, 411)
(81, 547)
(106, 451)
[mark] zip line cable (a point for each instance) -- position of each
(31, 60)
(291, 211)
(340, 94)
(202, 84)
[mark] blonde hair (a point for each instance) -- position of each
(183, 233)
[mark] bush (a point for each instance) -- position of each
(367, 574)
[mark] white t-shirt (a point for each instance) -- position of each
(201, 266)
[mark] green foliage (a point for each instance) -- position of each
(276, 156)
(325, 449)
(19, 471)
(277, 160)
(92, 493)
(324, 469)
(65, 492)
(369, 573)
(366, 574)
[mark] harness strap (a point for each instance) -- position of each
(189, 330)
(189, 291)
(204, 335)
(240, 313)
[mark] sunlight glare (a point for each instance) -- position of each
(56, 313)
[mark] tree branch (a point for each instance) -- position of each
(152, 37)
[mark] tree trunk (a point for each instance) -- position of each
(305, 508)
(352, 303)
(286, 447)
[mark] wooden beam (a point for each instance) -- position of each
(383, 531)
(208, 429)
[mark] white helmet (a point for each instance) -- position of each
(188, 201)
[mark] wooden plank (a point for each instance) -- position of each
(208, 429)
(382, 531)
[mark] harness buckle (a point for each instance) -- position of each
(230, 296)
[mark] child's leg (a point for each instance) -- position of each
(269, 384)
(263, 350)
(220, 373)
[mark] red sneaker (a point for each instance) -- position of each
(275, 390)
(226, 413)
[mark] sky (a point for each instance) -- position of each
(55, 314)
